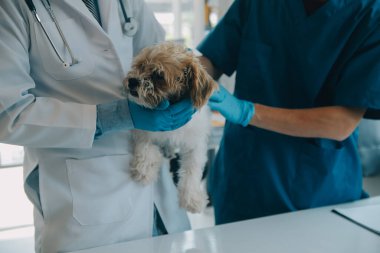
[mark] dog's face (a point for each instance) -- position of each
(168, 71)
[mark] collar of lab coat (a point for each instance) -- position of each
(81, 9)
(108, 13)
(111, 22)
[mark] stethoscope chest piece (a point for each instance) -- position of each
(130, 27)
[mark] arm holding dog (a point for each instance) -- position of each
(126, 115)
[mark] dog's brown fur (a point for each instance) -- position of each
(169, 71)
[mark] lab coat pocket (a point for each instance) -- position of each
(253, 68)
(78, 42)
(102, 189)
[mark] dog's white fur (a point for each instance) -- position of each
(189, 141)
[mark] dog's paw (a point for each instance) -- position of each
(144, 172)
(193, 201)
(169, 151)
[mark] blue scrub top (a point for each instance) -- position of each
(283, 58)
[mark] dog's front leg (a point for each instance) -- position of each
(192, 196)
(146, 162)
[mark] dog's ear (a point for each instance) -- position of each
(200, 82)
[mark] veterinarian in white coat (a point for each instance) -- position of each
(79, 185)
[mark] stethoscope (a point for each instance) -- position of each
(130, 25)
(130, 28)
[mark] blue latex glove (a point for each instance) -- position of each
(124, 115)
(233, 109)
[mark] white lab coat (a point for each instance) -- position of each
(80, 187)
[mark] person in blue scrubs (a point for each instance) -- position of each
(307, 72)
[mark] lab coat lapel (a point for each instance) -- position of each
(84, 12)
(109, 10)
(111, 21)
(109, 13)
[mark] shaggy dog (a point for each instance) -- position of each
(168, 71)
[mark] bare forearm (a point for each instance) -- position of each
(333, 122)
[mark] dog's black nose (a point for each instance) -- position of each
(133, 83)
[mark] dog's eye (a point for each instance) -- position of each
(156, 76)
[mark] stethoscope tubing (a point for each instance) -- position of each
(50, 41)
(130, 27)
(126, 18)
(47, 5)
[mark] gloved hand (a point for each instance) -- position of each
(124, 115)
(165, 117)
(235, 110)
